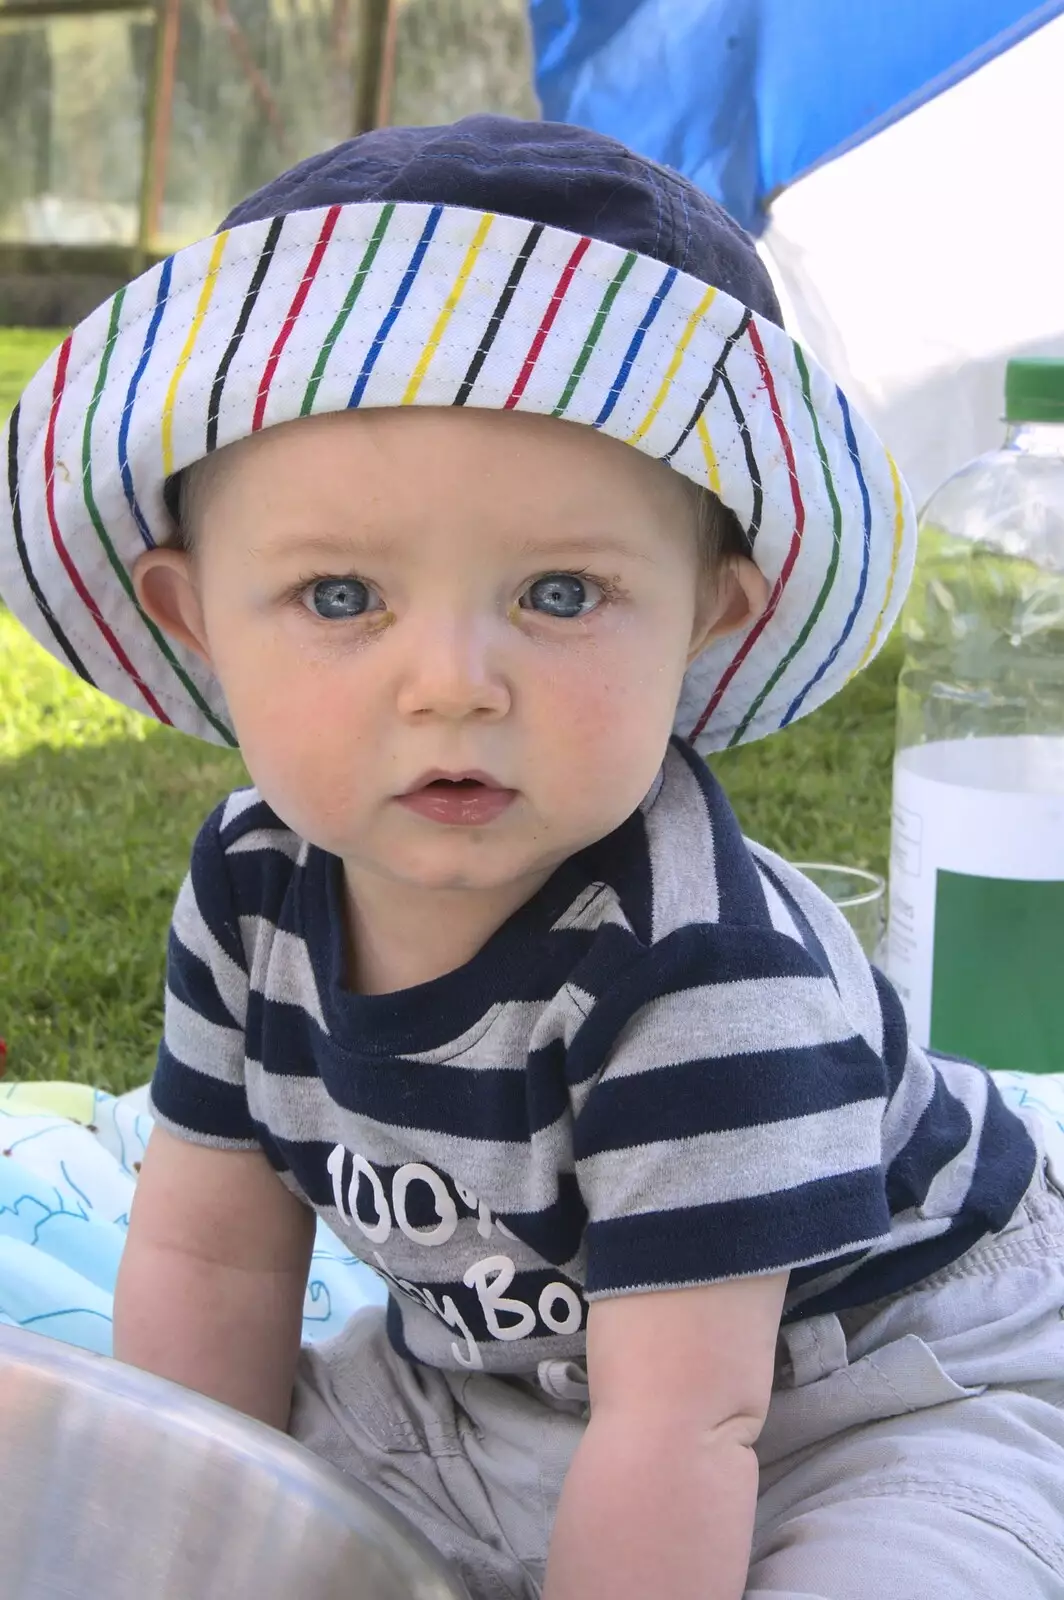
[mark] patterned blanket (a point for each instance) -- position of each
(71, 1155)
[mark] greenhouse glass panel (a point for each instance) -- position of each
(72, 93)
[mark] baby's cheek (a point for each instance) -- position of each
(609, 732)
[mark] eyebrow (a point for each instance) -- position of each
(322, 544)
(338, 545)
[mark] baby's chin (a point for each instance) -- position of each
(461, 866)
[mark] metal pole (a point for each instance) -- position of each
(376, 64)
(158, 109)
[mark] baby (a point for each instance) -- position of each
(468, 481)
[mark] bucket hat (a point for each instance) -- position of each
(494, 263)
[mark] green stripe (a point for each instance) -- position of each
(596, 328)
(833, 566)
(97, 522)
(345, 310)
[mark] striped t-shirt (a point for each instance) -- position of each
(672, 1066)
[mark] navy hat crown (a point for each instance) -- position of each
(549, 172)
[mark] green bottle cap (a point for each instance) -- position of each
(1034, 389)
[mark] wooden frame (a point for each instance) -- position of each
(370, 108)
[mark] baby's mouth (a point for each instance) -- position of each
(462, 799)
(453, 783)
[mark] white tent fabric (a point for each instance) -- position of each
(915, 265)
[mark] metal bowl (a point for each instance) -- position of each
(115, 1485)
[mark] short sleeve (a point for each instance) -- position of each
(197, 1091)
(734, 1126)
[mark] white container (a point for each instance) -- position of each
(976, 936)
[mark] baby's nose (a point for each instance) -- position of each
(453, 669)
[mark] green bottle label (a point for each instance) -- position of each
(997, 988)
(976, 940)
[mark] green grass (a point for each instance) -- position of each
(99, 807)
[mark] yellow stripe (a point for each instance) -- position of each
(445, 315)
(688, 334)
(899, 531)
(710, 454)
(193, 333)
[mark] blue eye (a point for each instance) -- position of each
(561, 594)
(339, 599)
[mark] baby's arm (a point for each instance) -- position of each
(660, 1496)
(213, 1274)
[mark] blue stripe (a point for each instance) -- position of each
(197, 1101)
(731, 1238)
(127, 409)
(895, 1032)
(633, 349)
(714, 1094)
(740, 895)
(941, 1134)
(800, 920)
(829, 661)
(396, 306)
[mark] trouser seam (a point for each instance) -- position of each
(1003, 1514)
(1019, 1252)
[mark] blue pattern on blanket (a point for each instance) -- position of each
(69, 1158)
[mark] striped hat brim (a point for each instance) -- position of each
(366, 305)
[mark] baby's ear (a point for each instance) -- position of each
(165, 585)
(730, 601)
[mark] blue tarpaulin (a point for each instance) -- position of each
(744, 96)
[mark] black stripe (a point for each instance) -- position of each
(190, 980)
(495, 320)
(23, 555)
(194, 1100)
(707, 393)
(261, 268)
(752, 1089)
(700, 953)
(942, 1133)
(751, 461)
(895, 1032)
(740, 892)
(1004, 1165)
(801, 922)
(732, 1238)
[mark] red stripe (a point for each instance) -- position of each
(293, 314)
(72, 571)
(545, 326)
(792, 554)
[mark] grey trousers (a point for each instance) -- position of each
(913, 1450)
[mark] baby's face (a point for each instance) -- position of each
(395, 597)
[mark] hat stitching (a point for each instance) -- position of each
(184, 291)
(866, 557)
(681, 194)
(247, 306)
(72, 571)
(495, 321)
(131, 395)
(895, 560)
(117, 565)
(682, 386)
(657, 212)
(752, 635)
(23, 554)
(829, 577)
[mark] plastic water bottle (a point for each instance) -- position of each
(976, 935)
